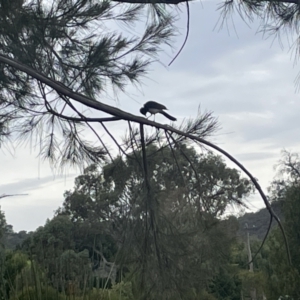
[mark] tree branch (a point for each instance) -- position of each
(151, 1)
(4, 195)
(176, 2)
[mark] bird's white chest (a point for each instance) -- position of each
(154, 110)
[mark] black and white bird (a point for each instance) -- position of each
(153, 108)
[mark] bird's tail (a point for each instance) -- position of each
(168, 116)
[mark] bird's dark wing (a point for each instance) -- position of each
(153, 104)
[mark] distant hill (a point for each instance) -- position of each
(258, 222)
(257, 225)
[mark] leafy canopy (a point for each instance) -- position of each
(176, 228)
(88, 47)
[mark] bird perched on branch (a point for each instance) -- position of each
(153, 108)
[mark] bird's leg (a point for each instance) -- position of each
(158, 137)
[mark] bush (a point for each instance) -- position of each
(47, 293)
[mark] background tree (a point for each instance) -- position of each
(287, 192)
(283, 279)
(2, 251)
(3, 225)
(184, 245)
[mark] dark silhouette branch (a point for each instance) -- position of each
(131, 139)
(4, 195)
(151, 1)
(186, 35)
(147, 198)
(115, 141)
(176, 2)
(82, 119)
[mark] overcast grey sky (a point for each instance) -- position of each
(246, 80)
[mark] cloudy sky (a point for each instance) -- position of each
(248, 81)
